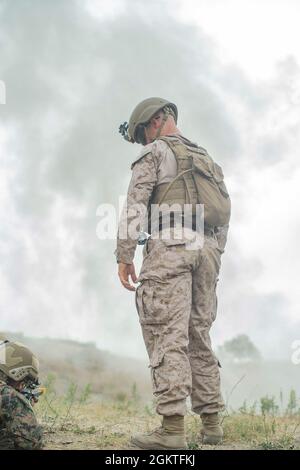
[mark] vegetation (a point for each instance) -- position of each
(77, 420)
(239, 348)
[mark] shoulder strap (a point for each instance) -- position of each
(177, 149)
(178, 138)
(175, 144)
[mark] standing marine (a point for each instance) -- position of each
(19, 370)
(176, 297)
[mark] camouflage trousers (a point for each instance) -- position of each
(177, 304)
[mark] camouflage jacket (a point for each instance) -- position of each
(154, 165)
(18, 425)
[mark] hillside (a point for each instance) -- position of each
(112, 376)
(96, 400)
(71, 362)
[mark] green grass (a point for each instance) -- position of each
(75, 421)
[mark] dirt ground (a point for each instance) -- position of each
(96, 426)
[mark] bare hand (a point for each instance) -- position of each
(126, 270)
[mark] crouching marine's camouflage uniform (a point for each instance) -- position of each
(176, 299)
(18, 425)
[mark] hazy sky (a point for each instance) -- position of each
(73, 71)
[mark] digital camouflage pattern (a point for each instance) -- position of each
(155, 165)
(177, 304)
(177, 299)
(18, 425)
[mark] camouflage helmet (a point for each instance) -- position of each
(141, 115)
(17, 362)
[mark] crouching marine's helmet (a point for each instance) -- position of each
(17, 362)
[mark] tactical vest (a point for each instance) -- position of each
(199, 180)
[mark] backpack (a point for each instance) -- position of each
(199, 180)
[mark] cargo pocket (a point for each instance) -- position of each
(159, 381)
(152, 302)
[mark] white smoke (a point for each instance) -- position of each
(73, 72)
